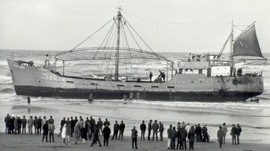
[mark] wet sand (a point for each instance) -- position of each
(33, 142)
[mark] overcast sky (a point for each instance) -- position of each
(166, 25)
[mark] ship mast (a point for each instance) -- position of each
(119, 17)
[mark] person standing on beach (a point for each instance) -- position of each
(39, 124)
(100, 124)
(95, 137)
(24, 122)
(43, 122)
(45, 131)
(142, 128)
(12, 119)
(224, 128)
(77, 129)
(30, 125)
(205, 134)
(238, 132)
(173, 137)
(198, 132)
(191, 137)
(149, 129)
(92, 125)
(19, 120)
(73, 123)
(7, 120)
(106, 134)
(169, 137)
(161, 129)
(29, 101)
(68, 131)
(220, 136)
(155, 128)
(183, 136)
(51, 131)
(233, 133)
(115, 130)
(64, 134)
(84, 131)
(16, 125)
(134, 134)
(121, 129)
(36, 125)
(62, 123)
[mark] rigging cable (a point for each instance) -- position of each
(90, 35)
(158, 56)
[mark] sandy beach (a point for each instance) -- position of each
(132, 114)
(33, 142)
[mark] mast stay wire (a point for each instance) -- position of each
(125, 42)
(91, 35)
(157, 55)
(105, 40)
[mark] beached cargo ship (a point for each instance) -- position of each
(199, 77)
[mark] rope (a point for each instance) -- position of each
(90, 36)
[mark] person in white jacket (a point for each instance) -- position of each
(64, 129)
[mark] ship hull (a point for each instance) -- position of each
(35, 81)
(158, 96)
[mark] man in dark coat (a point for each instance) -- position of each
(134, 134)
(106, 134)
(238, 132)
(233, 133)
(191, 137)
(169, 137)
(183, 136)
(12, 119)
(36, 125)
(155, 128)
(24, 122)
(95, 137)
(100, 124)
(92, 125)
(39, 124)
(121, 129)
(149, 129)
(173, 137)
(7, 118)
(161, 129)
(19, 122)
(142, 128)
(45, 131)
(115, 130)
(198, 132)
(73, 123)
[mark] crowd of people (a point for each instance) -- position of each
(90, 129)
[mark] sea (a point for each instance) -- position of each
(254, 118)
